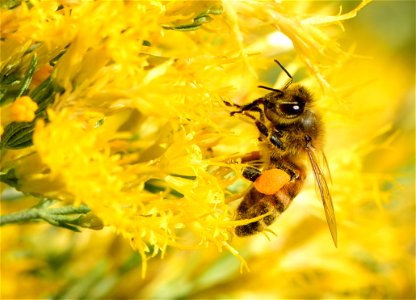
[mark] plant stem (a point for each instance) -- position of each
(20, 216)
(34, 213)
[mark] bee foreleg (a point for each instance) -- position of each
(247, 113)
(252, 105)
(262, 128)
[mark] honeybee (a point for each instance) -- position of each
(290, 133)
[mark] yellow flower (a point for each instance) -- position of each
(131, 122)
(127, 79)
(23, 109)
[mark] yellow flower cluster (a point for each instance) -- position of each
(129, 113)
(21, 110)
(137, 129)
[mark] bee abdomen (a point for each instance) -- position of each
(248, 210)
(256, 204)
(249, 229)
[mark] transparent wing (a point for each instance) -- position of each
(325, 166)
(325, 195)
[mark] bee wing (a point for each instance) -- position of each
(326, 167)
(325, 195)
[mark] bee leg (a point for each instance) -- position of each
(251, 173)
(255, 203)
(284, 197)
(251, 106)
(294, 171)
(262, 128)
(274, 138)
(247, 113)
(251, 156)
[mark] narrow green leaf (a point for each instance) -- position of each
(17, 135)
(201, 18)
(9, 177)
(28, 78)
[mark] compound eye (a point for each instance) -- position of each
(291, 108)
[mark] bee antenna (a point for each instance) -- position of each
(269, 88)
(286, 71)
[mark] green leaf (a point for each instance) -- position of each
(10, 4)
(17, 135)
(90, 221)
(9, 177)
(13, 84)
(44, 94)
(146, 43)
(201, 18)
(28, 78)
(156, 186)
(69, 217)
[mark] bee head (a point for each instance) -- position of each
(287, 105)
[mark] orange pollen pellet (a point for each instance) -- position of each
(271, 181)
